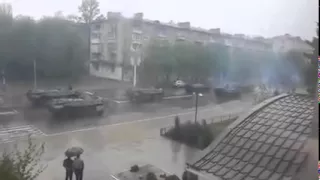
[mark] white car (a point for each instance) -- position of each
(179, 84)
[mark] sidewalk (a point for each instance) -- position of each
(114, 148)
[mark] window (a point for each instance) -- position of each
(95, 66)
(95, 35)
(112, 31)
(136, 37)
(95, 55)
(97, 27)
(136, 47)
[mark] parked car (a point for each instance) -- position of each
(86, 103)
(179, 84)
(145, 95)
(40, 97)
(197, 88)
(228, 90)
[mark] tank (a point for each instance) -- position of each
(145, 95)
(85, 104)
(228, 91)
(40, 97)
(197, 88)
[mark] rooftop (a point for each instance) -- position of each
(267, 143)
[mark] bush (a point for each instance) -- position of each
(189, 176)
(193, 134)
(151, 176)
(134, 168)
(22, 165)
(172, 177)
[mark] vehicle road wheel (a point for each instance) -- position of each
(100, 113)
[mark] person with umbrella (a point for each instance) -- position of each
(67, 164)
(78, 166)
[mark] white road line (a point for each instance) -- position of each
(166, 98)
(9, 112)
(11, 134)
(177, 97)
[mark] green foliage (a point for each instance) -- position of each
(189, 176)
(311, 70)
(55, 43)
(172, 177)
(22, 165)
(193, 134)
(151, 176)
(165, 62)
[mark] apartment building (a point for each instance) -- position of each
(118, 43)
(287, 43)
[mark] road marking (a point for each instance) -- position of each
(10, 134)
(13, 112)
(165, 98)
(135, 121)
(177, 97)
(42, 134)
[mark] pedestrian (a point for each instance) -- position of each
(67, 164)
(70, 87)
(78, 166)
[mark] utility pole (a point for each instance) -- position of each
(34, 74)
(196, 112)
(135, 74)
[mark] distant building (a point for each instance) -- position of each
(118, 43)
(287, 43)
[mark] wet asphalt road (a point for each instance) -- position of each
(117, 112)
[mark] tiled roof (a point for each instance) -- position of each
(267, 144)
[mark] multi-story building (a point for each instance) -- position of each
(287, 43)
(118, 43)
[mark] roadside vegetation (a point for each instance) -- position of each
(59, 44)
(22, 164)
(195, 134)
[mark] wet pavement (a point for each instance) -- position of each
(117, 113)
(114, 148)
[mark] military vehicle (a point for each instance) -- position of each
(228, 91)
(86, 103)
(196, 88)
(40, 97)
(145, 95)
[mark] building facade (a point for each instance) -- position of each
(118, 43)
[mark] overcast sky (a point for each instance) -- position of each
(251, 17)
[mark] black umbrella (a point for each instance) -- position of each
(74, 151)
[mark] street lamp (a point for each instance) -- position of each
(196, 112)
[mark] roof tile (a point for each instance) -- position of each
(247, 168)
(256, 172)
(230, 174)
(265, 145)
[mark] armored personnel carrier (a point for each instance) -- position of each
(145, 95)
(86, 103)
(40, 97)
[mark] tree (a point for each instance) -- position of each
(22, 165)
(310, 76)
(89, 10)
(5, 29)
